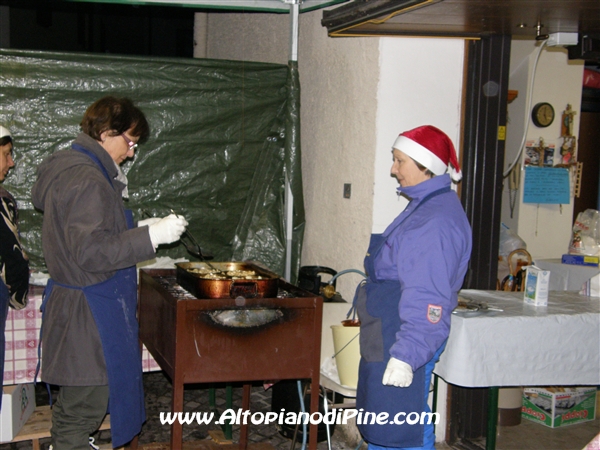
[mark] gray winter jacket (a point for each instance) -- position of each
(85, 240)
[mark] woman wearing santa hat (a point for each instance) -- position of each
(415, 269)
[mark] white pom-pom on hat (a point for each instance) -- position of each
(4, 132)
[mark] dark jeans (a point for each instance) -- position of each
(77, 413)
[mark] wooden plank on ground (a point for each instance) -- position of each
(39, 423)
(205, 444)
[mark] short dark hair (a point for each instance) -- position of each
(5, 140)
(118, 114)
(424, 169)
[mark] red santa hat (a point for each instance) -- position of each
(431, 148)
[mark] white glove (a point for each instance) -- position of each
(150, 221)
(167, 230)
(397, 373)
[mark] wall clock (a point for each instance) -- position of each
(542, 114)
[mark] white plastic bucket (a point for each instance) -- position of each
(347, 353)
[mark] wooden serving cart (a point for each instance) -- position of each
(180, 333)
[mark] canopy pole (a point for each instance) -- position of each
(289, 196)
(294, 15)
(289, 228)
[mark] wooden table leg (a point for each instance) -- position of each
(245, 407)
(177, 406)
(228, 427)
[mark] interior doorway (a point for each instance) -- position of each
(589, 151)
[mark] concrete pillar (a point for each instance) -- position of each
(200, 35)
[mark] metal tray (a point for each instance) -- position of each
(262, 284)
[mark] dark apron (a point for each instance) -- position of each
(113, 304)
(4, 300)
(377, 306)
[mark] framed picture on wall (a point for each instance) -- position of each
(532, 154)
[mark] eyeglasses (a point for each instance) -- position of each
(132, 145)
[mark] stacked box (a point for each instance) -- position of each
(581, 260)
(18, 403)
(557, 407)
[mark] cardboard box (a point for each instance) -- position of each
(537, 282)
(557, 407)
(581, 260)
(18, 403)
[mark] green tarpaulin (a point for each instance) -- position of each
(223, 136)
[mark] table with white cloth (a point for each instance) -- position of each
(522, 345)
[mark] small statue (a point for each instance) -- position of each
(541, 149)
(566, 128)
(567, 151)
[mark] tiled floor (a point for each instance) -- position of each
(526, 436)
(529, 436)
(532, 436)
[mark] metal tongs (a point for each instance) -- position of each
(473, 307)
(193, 247)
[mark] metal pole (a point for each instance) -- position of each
(289, 228)
(289, 196)
(294, 15)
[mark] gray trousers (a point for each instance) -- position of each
(77, 413)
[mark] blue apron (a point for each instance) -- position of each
(113, 304)
(377, 307)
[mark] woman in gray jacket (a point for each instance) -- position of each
(91, 246)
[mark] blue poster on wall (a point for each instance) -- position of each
(547, 185)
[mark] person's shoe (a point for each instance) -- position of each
(92, 445)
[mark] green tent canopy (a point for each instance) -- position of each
(224, 139)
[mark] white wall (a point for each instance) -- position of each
(420, 83)
(546, 229)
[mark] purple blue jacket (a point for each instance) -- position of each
(429, 255)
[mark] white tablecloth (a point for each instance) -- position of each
(566, 277)
(524, 345)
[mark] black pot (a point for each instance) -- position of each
(309, 279)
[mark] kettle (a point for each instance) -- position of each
(309, 279)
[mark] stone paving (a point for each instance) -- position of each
(196, 398)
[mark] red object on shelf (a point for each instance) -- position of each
(591, 79)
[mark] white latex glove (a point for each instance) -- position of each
(167, 230)
(150, 221)
(397, 373)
